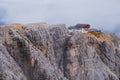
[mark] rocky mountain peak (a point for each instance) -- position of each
(43, 51)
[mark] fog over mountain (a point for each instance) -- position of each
(102, 14)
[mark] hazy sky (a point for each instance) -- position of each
(101, 14)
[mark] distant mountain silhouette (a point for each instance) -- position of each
(2, 15)
(1, 23)
(117, 30)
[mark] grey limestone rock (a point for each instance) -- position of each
(49, 52)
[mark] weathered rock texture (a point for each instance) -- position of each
(50, 52)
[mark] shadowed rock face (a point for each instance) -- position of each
(36, 52)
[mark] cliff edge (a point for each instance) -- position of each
(51, 52)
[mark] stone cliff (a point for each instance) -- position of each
(50, 52)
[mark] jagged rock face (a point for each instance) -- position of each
(50, 52)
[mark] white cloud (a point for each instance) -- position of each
(103, 14)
